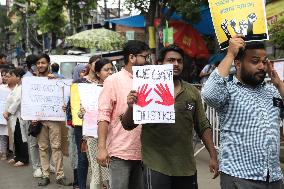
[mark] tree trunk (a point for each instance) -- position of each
(53, 40)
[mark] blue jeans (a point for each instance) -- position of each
(125, 174)
(83, 164)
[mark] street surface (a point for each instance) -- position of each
(21, 177)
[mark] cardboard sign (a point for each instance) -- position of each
(75, 105)
(43, 98)
(238, 17)
(155, 87)
(89, 98)
(4, 92)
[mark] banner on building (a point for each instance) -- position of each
(155, 87)
(238, 17)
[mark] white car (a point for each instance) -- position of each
(67, 63)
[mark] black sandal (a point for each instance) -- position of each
(44, 181)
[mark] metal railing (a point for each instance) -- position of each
(212, 116)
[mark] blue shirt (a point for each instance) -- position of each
(58, 75)
(28, 74)
(249, 125)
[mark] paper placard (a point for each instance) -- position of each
(231, 17)
(89, 97)
(155, 87)
(75, 105)
(43, 98)
(279, 67)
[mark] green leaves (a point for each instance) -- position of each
(277, 34)
(188, 9)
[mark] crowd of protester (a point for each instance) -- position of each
(157, 155)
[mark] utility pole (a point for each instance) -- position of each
(106, 12)
(25, 8)
(119, 8)
(81, 5)
(27, 33)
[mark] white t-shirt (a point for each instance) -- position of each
(207, 69)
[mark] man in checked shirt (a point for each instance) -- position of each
(249, 113)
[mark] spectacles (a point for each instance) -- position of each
(147, 58)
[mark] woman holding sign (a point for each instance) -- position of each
(103, 69)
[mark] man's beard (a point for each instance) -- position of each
(176, 77)
(250, 79)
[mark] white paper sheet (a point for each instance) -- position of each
(155, 82)
(89, 96)
(42, 98)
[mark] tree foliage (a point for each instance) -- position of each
(277, 34)
(49, 17)
(5, 22)
(151, 8)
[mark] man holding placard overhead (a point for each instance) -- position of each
(167, 148)
(249, 112)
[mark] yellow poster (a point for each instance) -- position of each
(75, 105)
(238, 17)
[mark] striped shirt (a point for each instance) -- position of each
(249, 124)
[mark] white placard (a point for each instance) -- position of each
(42, 98)
(4, 92)
(155, 87)
(279, 67)
(89, 97)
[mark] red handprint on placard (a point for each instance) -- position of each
(165, 94)
(142, 95)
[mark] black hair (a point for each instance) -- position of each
(54, 67)
(133, 47)
(44, 56)
(18, 72)
(165, 50)
(100, 64)
(93, 58)
(249, 46)
(31, 60)
(2, 55)
(4, 70)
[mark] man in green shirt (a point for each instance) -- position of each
(167, 149)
